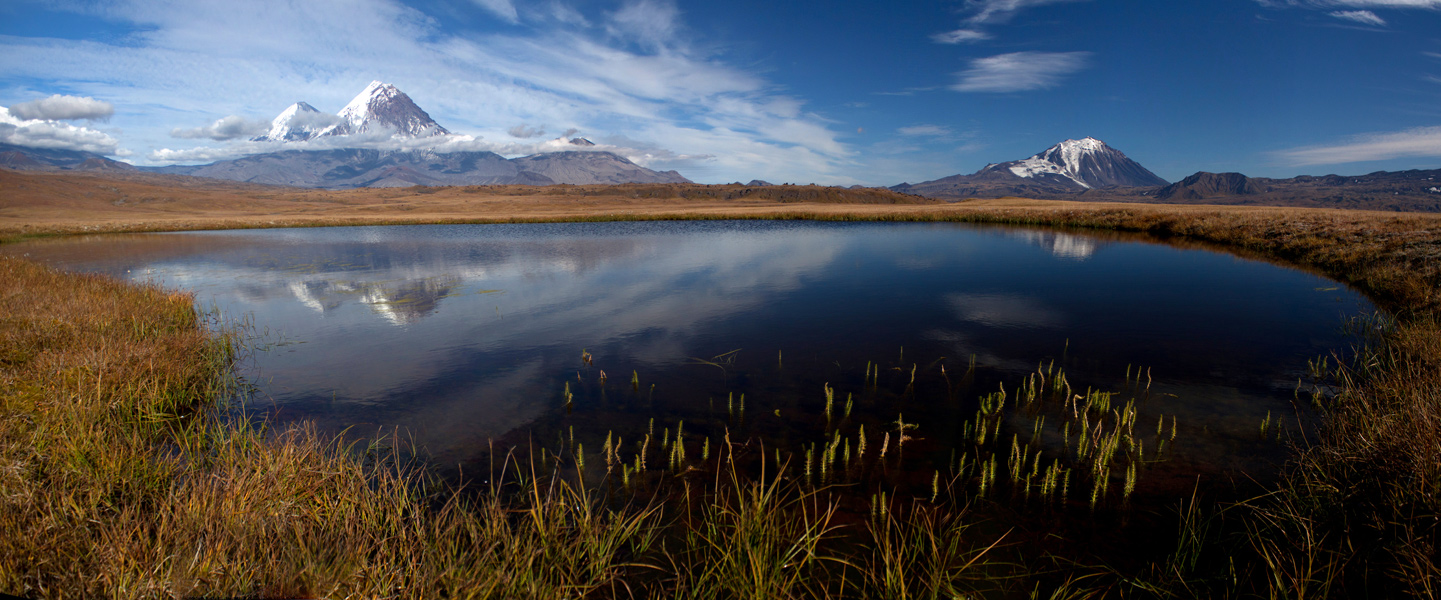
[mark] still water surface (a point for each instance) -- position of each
(461, 335)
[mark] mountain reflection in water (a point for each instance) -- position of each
(400, 302)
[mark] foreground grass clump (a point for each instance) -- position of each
(1361, 508)
(120, 481)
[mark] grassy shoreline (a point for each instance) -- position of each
(217, 508)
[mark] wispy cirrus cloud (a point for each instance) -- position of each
(1019, 71)
(1361, 10)
(925, 130)
(1364, 17)
(504, 9)
(990, 11)
(1423, 142)
(961, 36)
(652, 23)
(1324, 4)
(980, 13)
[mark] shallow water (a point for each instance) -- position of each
(464, 335)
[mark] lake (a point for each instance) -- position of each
(465, 338)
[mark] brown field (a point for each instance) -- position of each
(39, 203)
(118, 482)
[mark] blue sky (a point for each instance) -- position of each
(829, 92)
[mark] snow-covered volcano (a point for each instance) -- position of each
(1087, 162)
(380, 107)
(1067, 168)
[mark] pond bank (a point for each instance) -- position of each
(265, 517)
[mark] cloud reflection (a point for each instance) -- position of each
(464, 326)
(1004, 310)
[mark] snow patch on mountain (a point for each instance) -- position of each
(1031, 167)
(1064, 159)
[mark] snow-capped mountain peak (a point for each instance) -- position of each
(300, 121)
(1063, 159)
(1087, 163)
(378, 93)
(383, 106)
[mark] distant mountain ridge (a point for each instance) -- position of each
(1089, 170)
(352, 168)
(25, 158)
(1070, 167)
(1212, 185)
(1415, 190)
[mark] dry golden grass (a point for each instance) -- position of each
(40, 203)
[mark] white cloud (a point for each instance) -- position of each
(1019, 71)
(51, 134)
(924, 130)
(1364, 17)
(960, 36)
(313, 120)
(501, 8)
(225, 128)
(1417, 142)
(66, 108)
(524, 131)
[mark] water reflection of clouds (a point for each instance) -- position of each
(465, 361)
(1004, 310)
